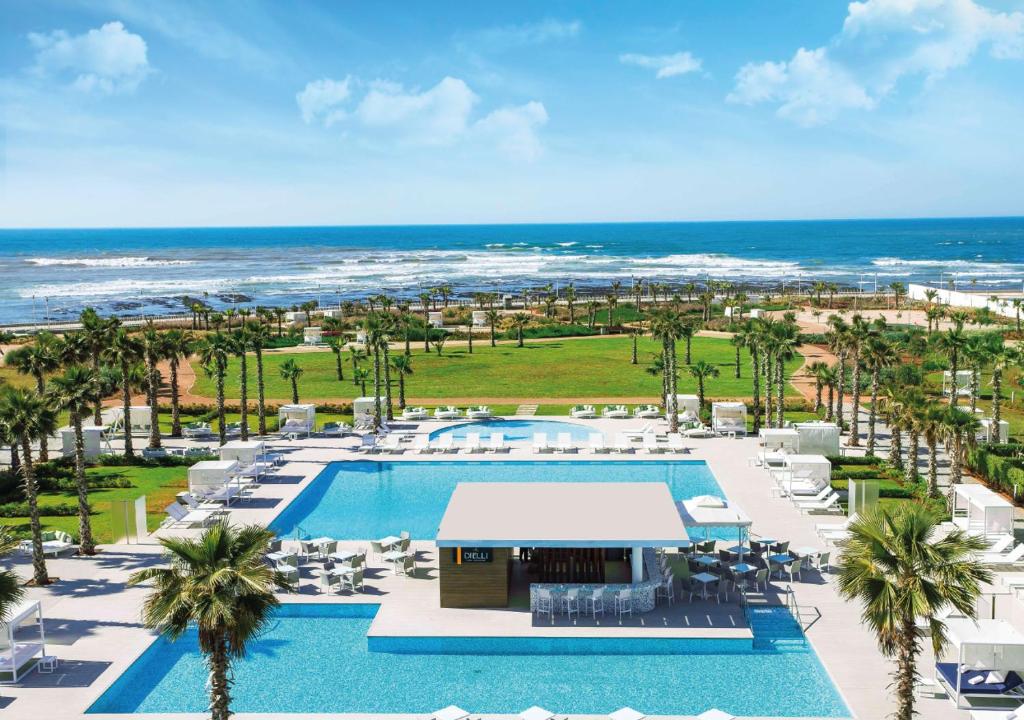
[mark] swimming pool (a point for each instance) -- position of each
(315, 658)
(517, 429)
(365, 499)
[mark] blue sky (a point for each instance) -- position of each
(119, 113)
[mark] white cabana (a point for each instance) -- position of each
(139, 416)
(818, 438)
(779, 438)
(312, 335)
(333, 314)
(299, 418)
(91, 435)
(296, 317)
(245, 452)
(992, 433)
(963, 382)
(208, 475)
(808, 467)
(435, 319)
(14, 655)
(480, 318)
(983, 659)
(705, 512)
(729, 417)
(756, 313)
(977, 509)
(731, 311)
(366, 405)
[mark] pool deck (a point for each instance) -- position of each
(92, 618)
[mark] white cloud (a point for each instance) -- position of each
(667, 66)
(882, 43)
(549, 29)
(105, 60)
(810, 89)
(514, 129)
(437, 116)
(320, 99)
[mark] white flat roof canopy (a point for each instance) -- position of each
(702, 512)
(981, 496)
(574, 515)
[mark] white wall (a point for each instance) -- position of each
(961, 299)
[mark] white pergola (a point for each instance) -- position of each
(729, 417)
(688, 404)
(139, 419)
(818, 438)
(705, 512)
(245, 452)
(978, 509)
(18, 654)
(981, 647)
(296, 418)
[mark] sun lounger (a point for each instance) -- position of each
(223, 494)
(480, 412)
(421, 444)
(622, 443)
(582, 411)
(536, 713)
(447, 412)
(416, 413)
(179, 516)
(196, 430)
(646, 411)
(392, 445)
(1014, 557)
(676, 444)
(445, 444)
(452, 712)
(57, 541)
(335, 429)
(626, 713)
(702, 431)
(497, 443)
(564, 442)
(596, 443)
(829, 504)
(616, 412)
(650, 441)
(540, 443)
(472, 444)
(1000, 544)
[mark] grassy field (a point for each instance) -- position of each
(158, 484)
(577, 368)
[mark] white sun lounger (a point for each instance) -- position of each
(583, 411)
(1014, 557)
(651, 443)
(392, 445)
(596, 443)
(445, 444)
(622, 443)
(540, 443)
(452, 712)
(615, 412)
(416, 413)
(564, 442)
(472, 444)
(421, 444)
(820, 496)
(497, 443)
(699, 432)
(829, 504)
(179, 516)
(675, 443)
(1000, 544)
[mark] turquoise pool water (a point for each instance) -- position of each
(362, 500)
(517, 429)
(316, 659)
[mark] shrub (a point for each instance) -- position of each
(20, 509)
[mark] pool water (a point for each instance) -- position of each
(517, 430)
(316, 659)
(367, 499)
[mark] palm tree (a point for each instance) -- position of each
(858, 334)
(290, 371)
(95, 335)
(359, 377)
(838, 337)
(28, 416)
(259, 338)
(830, 378)
(123, 351)
(37, 360)
(177, 346)
(11, 591)
(518, 322)
(388, 328)
(337, 346)
(373, 326)
(214, 351)
(901, 572)
(878, 354)
(816, 370)
(75, 392)
(241, 343)
(952, 342)
(932, 424)
(667, 325)
(749, 337)
(493, 318)
(152, 351)
(613, 300)
(785, 340)
(959, 428)
(1002, 357)
(976, 353)
(425, 298)
(356, 355)
(570, 301)
(686, 332)
(402, 365)
(279, 313)
(738, 343)
(702, 371)
(218, 584)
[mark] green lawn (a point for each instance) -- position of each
(158, 484)
(571, 368)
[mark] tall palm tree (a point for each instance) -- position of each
(785, 340)
(153, 347)
(687, 330)
(37, 359)
(838, 337)
(493, 318)
(214, 350)
(959, 428)
(1002, 358)
(570, 301)
(952, 342)
(123, 351)
(374, 327)
(816, 370)
(667, 325)
(28, 416)
(900, 571)
(177, 347)
(241, 344)
(290, 371)
(425, 298)
(702, 371)
(356, 355)
(932, 423)
(613, 300)
(96, 333)
(389, 327)
(911, 421)
(860, 331)
(218, 584)
(750, 336)
(977, 352)
(518, 322)
(11, 591)
(359, 377)
(337, 346)
(830, 378)
(259, 338)
(402, 365)
(738, 343)
(878, 354)
(75, 392)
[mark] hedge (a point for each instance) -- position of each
(990, 462)
(20, 509)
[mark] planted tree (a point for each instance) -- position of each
(75, 392)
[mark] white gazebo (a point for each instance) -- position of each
(14, 655)
(706, 512)
(91, 435)
(756, 313)
(244, 452)
(983, 659)
(777, 443)
(993, 433)
(435, 319)
(979, 510)
(480, 318)
(297, 419)
(818, 438)
(688, 406)
(963, 383)
(208, 475)
(366, 406)
(296, 317)
(336, 314)
(729, 417)
(814, 469)
(139, 418)
(312, 335)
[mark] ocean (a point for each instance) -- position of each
(53, 274)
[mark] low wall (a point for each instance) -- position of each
(956, 298)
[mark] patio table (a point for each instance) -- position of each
(705, 560)
(704, 578)
(804, 552)
(743, 568)
(343, 555)
(389, 540)
(781, 559)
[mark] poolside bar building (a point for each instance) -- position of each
(497, 539)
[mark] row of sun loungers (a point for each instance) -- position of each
(448, 412)
(616, 412)
(453, 712)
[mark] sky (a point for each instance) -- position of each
(248, 112)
